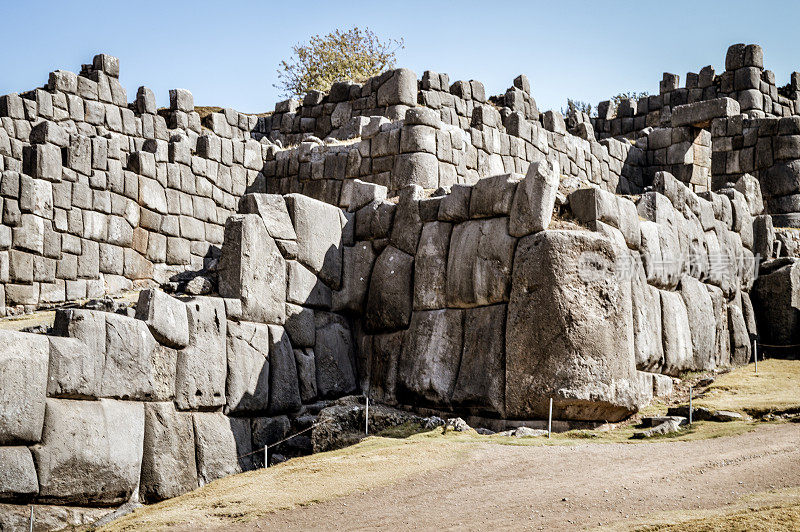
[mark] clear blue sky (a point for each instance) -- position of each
(227, 52)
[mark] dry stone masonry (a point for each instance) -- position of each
(414, 241)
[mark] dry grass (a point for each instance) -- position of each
(766, 511)
(373, 462)
(776, 389)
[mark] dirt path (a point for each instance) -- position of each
(565, 487)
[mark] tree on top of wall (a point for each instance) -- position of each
(353, 55)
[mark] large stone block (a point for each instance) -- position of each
(389, 299)
(648, 345)
(722, 354)
(168, 460)
(535, 199)
(700, 312)
(407, 221)
(201, 366)
(677, 334)
(306, 373)
(493, 196)
(400, 88)
(91, 452)
(219, 443)
(481, 374)
(136, 367)
(479, 263)
(430, 266)
(284, 390)
(75, 370)
(700, 114)
(18, 482)
(305, 288)
(334, 353)
(300, 325)
(590, 205)
(356, 271)
(247, 385)
(252, 269)
(740, 339)
(319, 237)
(569, 333)
(23, 386)
(272, 209)
(166, 317)
(776, 299)
(418, 168)
(428, 364)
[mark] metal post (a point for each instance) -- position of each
(366, 418)
(755, 354)
(550, 419)
(266, 456)
(30, 527)
(690, 404)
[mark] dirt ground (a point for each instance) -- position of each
(565, 487)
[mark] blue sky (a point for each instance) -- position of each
(227, 53)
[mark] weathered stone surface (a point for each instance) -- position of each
(493, 196)
(305, 288)
(534, 199)
(136, 367)
(677, 334)
(479, 263)
(272, 209)
(356, 272)
(776, 299)
(219, 442)
(429, 361)
(300, 325)
(700, 312)
(481, 374)
(455, 205)
(646, 308)
(407, 222)
(418, 168)
(306, 373)
(168, 460)
(91, 451)
(390, 295)
(590, 205)
(166, 317)
(252, 269)
(247, 384)
(201, 366)
(381, 355)
(700, 114)
(569, 331)
(23, 386)
(319, 237)
(740, 340)
(430, 266)
(334, 353)
(399, 89)
(284, 391)
(75, 371)
(18, 480)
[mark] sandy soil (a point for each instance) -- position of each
(565, 487)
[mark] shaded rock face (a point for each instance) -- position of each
(776, 300)
(569, 336)
(168, 464)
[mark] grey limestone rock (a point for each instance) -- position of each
(23, 386)
(168, 461)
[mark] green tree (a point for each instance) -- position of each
(632, 95)
(352, 55)
(577, 106)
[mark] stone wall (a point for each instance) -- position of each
(743, 80)
(150, 403)
(98, 193)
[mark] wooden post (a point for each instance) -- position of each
(690, 405)
(366, 418)
(550, 419)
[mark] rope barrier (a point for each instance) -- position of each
(778, 346)
(261, 450)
